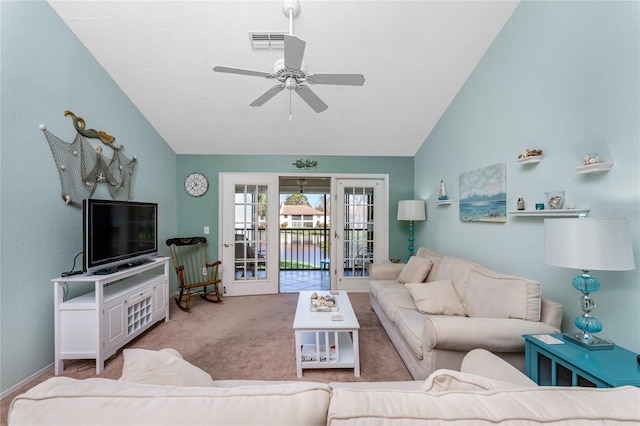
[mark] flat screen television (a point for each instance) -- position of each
(118, 234)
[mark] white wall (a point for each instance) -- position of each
(562, 77)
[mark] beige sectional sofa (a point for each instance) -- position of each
(436, 308)
(160, 388)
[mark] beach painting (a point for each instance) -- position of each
(483, 194)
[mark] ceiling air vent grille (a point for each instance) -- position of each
(267, 40)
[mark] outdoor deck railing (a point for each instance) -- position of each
(304, 248)
(308, 248)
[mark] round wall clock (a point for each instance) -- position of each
(196, 184)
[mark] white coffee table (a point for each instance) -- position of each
(314, 329)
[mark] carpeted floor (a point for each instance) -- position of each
(248, 338)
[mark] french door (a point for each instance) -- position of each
(249, 233)
(361, 231)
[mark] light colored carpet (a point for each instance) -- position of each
(248, 338)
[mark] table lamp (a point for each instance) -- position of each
(601, 244)
(411, 210)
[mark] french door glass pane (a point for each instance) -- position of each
(358, 230)
(250, 226)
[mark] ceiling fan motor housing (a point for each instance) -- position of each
(283, 73)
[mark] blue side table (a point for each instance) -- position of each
(567, 364)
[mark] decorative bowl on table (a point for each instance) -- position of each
(323, 303)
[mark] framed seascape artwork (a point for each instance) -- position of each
(483, 194)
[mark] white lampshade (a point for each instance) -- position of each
(411, 210)
(589, 244)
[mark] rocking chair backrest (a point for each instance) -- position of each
(189, 256)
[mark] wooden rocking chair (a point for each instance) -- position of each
(189, 256)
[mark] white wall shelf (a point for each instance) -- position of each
(594, 168)
(551, 213)
(444, 202)
(530, 160)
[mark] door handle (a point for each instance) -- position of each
(227, 245)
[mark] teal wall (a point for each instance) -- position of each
(45, 70)
(562, 77)
(196, 213)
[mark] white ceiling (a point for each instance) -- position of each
(415, 56)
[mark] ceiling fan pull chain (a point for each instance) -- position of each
(290, 115)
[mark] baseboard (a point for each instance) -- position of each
(22, 383)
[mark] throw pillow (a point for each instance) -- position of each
(436, 297)
(415, 271)
(491, 294)
(443, 381)
(164, 367)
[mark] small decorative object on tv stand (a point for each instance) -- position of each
(603, 244)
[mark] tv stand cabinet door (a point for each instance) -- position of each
(160, 301)
(114, 323)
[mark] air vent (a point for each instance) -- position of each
(267, 41)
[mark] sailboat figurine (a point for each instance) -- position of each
(442, 194)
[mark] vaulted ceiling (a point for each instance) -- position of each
(415, 56)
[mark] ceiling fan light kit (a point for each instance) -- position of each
(291, 72)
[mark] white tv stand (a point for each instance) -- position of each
(122, 306)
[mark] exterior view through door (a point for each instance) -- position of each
(280, 233)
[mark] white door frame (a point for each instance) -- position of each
(340, 281)
(382, 230)
(257, 280)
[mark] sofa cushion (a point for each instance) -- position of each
(490, 294)
(66, 401)
(457, 270)
(444, 380)
(164, 367)
(375, 286)
(524, 406)
(392, 299)
(434, 257)
(415, 271)
(436, 297)
(410, 325)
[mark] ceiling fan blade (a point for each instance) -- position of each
(341, 79)
(267, 95)
(293, 51)
(311, 98)
(242, 71)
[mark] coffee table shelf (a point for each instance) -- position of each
(318, 334)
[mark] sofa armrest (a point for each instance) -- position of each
(483, 363)
(551, 313)
(385, 271)
(492, 334)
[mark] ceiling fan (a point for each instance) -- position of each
(291, 72)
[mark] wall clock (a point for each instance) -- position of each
(196, 184)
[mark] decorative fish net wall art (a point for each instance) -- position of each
(82, 167)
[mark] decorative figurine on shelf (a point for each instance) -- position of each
(530, 153)
(442, 194)
(591, 159)
(520, 203)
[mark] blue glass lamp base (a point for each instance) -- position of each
(585, 322)
(594, 344)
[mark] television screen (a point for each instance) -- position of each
(117, 233)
